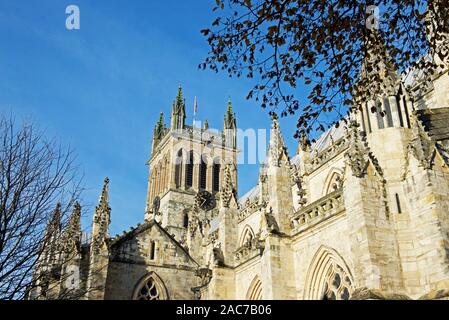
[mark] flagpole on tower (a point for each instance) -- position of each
(195, 107)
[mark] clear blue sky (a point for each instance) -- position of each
(100, 89)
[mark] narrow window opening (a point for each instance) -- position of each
(203, 175)
(186, 220)
(189, 171)
(363, 120)
(216, 177)
(406, 112)
(398, 103)
(398, 203)
(152, 250)
(388, 112)
(380, 119)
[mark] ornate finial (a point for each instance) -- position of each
(230, 120)
(229, 105)
(72, 234)
(104, 197)
(359, 154)
(206, 125)
(277, 151)
(227, 189)
(102, 219)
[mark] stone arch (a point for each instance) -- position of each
(247, 235)
(203, 172)
(328, 277)
(255, 289)
(150, 287)
(179, 159)
(334, 180)
(189, 169)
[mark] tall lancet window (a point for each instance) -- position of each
(189, 171)
(216, 177)
(203, 175)
(178, 169)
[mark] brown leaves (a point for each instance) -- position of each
(324, 43)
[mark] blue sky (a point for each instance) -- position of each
(100, 89)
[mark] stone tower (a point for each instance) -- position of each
(186, 160)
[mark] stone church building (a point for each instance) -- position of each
(362, 213)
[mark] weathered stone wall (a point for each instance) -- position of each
(427, 259)
(333, 234)
(126, 277)
(132, 259)
(245, 274)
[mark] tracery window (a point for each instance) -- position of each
(333, 184)
(151, 287)
(149, 291)
(338, 284)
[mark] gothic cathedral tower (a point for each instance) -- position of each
(186, 168)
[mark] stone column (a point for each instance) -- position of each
(280, 196)
(209, 176)
(372, 237)
(277, 269)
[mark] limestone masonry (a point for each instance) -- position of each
(362, 213)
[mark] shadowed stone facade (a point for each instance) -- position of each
(362, 213)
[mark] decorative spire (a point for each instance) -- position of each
(227, 188)
(52, 234)
(71, 237)
(54, 226)
(277, 151)
(159, 130)
(102, 218)
(359, 154)
(377, 65)
(230, 120)
(178, 111)
(104, 197)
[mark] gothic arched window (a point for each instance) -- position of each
(255, 290)
(328, 277)
(189, 170)
(151, 288)
(216, 177)
(333, 182)
(247, 236)
(337, 285)
(178, 169)
(203, 175)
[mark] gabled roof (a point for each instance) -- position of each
(146, 226)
